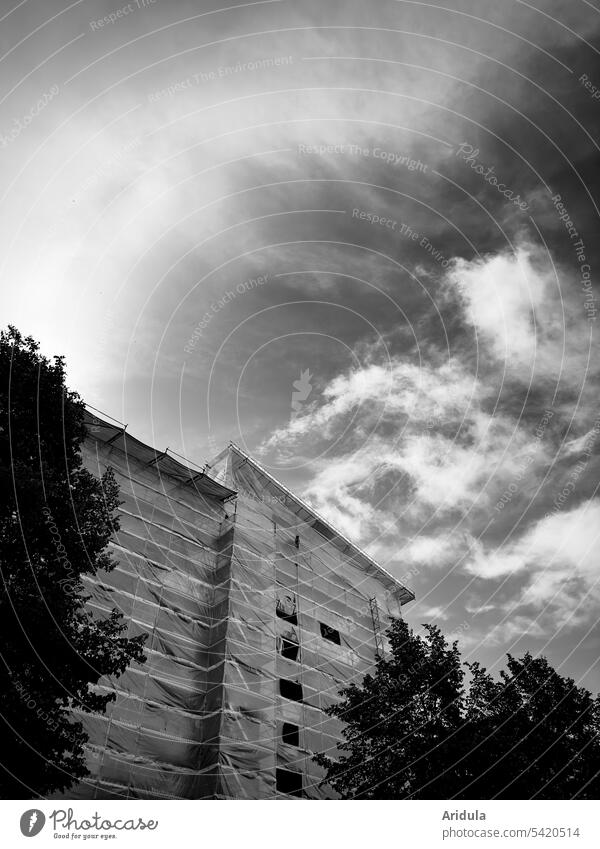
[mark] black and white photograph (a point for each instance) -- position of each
(300, 421)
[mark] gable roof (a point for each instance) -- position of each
(221, 486)
(310, 516)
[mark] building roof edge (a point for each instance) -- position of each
(405, 595)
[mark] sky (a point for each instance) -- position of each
(357, 239)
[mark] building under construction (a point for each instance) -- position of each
(257, 612)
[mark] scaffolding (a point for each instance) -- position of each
(379, 645)
(257, 612)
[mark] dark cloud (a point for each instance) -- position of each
(371, 162)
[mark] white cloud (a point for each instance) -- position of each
(432, 613)
(560, 544)
(559, 557)
(528, 314)
(502, 295)
(400, 492)
(433, 551)
(425, 455)
(583, 444)
(380, 392)
(514, 628)
(441, 451)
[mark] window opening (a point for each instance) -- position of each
(330, 634)
(290, 689)
(288, 782)
(290, 734)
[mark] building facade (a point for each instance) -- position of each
(257, 612)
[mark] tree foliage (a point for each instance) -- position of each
(415, 729)
(55, 522)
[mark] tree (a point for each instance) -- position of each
(56, 520)
(404, 724)
(534, 731)
(414, 731)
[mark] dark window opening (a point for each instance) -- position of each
(330, 633)
(290, 734)
(285, 608)
(289, 649)
(288, 782)
(290, 689)
(297, 541)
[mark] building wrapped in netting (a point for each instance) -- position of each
(257, 612)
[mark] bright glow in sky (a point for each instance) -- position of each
(357, 238)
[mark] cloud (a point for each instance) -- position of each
(165, 200)
(515, 628)
(434, 551)
(502, 295)
(414, 453)
(585, 444)
(384, 391)
(430, 614)
(558, 556)
(417, 437)
(560, 543)
(528, 315)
